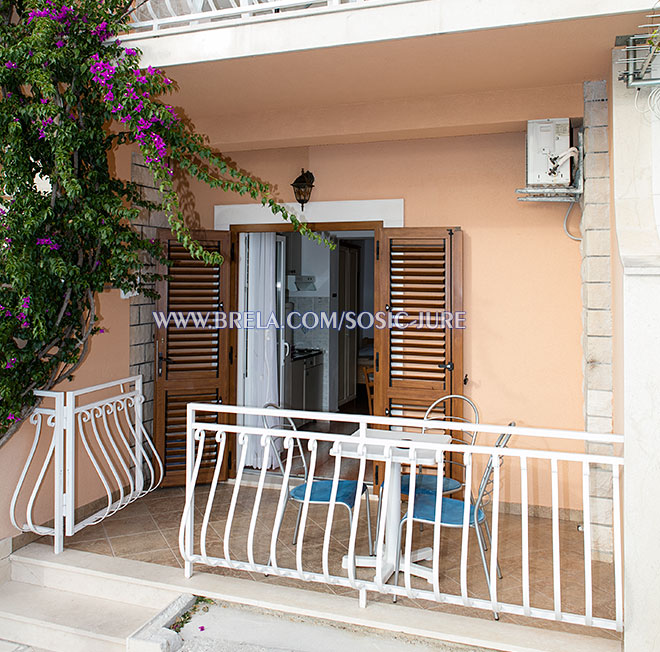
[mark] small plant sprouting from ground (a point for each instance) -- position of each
(201, 604)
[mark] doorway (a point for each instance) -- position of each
(414, 272)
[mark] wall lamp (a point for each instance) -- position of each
(302, 187)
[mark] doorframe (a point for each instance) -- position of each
(235, 231)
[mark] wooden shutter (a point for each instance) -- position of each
(418, 270)
(193, 361)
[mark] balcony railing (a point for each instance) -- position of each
(241, 525)
(156, 17)
(87, 439)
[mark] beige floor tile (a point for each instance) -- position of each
(97, 546)
(161, 557)
(123, 546)
(126, 526)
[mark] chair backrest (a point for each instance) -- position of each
(486, 484)
(464, 437)
(284, 423)
(368, 373)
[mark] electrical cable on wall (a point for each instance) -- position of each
(652, 102)
(568, 212)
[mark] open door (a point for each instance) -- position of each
(418, 275)
(192, 356)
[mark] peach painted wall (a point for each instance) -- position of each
(106, 360)
(521, 273)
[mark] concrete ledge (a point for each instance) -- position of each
(492, 635)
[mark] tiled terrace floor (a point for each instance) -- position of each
(148, 531)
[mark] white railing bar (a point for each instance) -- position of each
(94, 461)
(37, 419)
(380, 535)
(417, 423)
(437, 526)
(556, 568)
(95, 388)
(410, 523)
(70, 426)
(242, 440)
(313, 448)
(480, 603)
(44, 394)
(37, 485)
(524, 513)
(426, 446)
(495, 521)
(265, 444)
(331, 513)
(466, 525)
(120, 431)
(618, 565)
(121, 459)
(586, 517)
(289, 445)
(355, 518)
(220, 441)
(88, 407)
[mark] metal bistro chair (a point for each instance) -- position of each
(426, 483)
(452, 514)
(321, 489)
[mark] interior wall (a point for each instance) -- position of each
(522, 283)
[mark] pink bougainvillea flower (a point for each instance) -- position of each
(202, 628)
(11, 65)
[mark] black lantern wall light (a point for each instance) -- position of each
(302, 187)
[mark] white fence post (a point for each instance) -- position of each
(59, 497)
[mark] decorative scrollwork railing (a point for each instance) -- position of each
(104, 437)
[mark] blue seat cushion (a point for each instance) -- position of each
(428, 484)
(452, 510)
(321, 490)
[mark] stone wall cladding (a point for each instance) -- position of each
(142, 331)
(597, 309)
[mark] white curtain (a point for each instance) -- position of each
(262, 371)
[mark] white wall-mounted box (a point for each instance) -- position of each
(545, 138)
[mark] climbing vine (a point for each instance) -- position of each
(71, 95)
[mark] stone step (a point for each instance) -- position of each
(62, 621)
(85, 573)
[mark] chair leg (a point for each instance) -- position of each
(371, 541)
(279, 527)
(295, 531)
(397, 561)
(482, 552)
(490, 542)
(378, 512)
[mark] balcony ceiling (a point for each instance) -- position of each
(530, 56)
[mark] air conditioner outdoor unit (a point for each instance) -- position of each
(549, 152)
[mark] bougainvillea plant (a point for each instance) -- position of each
(71, 94)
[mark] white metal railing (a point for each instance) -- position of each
(156, 17)
(240, 543)
(96, 430)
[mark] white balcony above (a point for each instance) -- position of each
(174, 32)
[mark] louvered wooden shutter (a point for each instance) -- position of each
(194, 363)
(418, 272)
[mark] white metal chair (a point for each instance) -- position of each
(425, 483)
(321, 489)
(452, 514)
